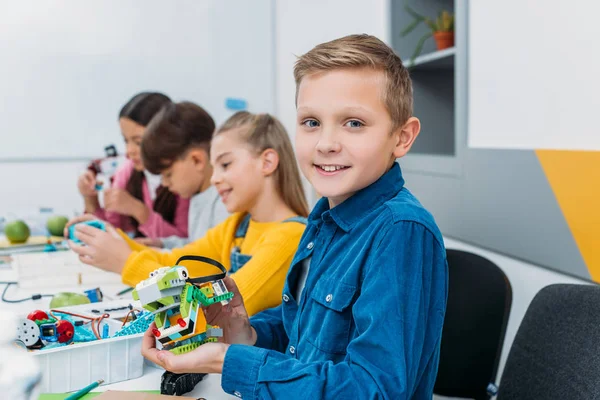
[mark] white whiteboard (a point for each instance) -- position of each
(68, 66)
(534, 79)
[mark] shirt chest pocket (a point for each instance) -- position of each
(329, 316)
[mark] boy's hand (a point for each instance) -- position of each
(150, 242)
(207, 358)
(86, 183)
(105, 250)
(120, 201)
(232, 318)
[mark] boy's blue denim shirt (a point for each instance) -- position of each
(369, 321)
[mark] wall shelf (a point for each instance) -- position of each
(442, 59)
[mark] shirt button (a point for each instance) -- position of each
(237, 394)
(310, 246)
(292, 349)
(286, 298)
(329, 298)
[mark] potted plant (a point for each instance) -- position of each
(441, 28)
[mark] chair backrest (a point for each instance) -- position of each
(479, 302)
(555, 354)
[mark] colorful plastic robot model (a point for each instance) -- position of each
(176, 301)
(105, 168)
(38, 330)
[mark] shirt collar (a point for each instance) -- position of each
(362, 202)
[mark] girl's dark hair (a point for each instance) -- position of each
(143, 106)
(176, 129)
(141, 109)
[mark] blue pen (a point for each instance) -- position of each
(80, 393)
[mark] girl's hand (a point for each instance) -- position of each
(232, 318)
(86, 183)
(105, 250)
(120, 201)
(207, 358)
(82, 218)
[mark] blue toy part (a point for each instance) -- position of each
(140, 325)
(93, 223)
(95, 295)
(236, 104)
(48, 332)
(50, 248)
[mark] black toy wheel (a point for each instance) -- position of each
(172, 384)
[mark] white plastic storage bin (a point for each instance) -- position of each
(75, 366)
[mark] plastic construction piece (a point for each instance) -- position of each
(50, 247)
(95, 295)
(37, 315)
(172, 384)
(140, 325)
(175, 301)
(105, 168)
(49, 332)
(93, 223)
(177, 306)
(64, 331)
(29, 333)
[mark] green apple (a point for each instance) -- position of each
(17, 231)
(56, 225)
(65, 299)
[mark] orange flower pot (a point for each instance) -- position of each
(443, 40)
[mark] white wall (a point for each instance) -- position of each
(534, 85)
(27, 186)
(68, 71)
(301, 25)
(68, 66)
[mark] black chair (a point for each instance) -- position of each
(555, 354)
(479, 302)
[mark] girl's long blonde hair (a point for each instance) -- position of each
(262, 132)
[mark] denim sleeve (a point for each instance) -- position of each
(270, 333)
(398, 314)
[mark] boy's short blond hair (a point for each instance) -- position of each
(363, 51)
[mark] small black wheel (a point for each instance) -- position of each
(172, 384)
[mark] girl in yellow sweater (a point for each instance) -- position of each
(256, 175)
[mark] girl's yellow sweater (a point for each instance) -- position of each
(272, 246)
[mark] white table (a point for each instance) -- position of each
(209, 387)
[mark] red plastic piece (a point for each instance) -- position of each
(156, 332)
(181, 322)
(37, 315)
(65, 331)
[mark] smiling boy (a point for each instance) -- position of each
(365, 298)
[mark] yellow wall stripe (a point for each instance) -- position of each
(575, 180)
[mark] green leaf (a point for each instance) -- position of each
(419, 47)
(431, 24)
(410, 27)
(413, 13)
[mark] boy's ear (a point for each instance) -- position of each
(199, 157)
(269, 161)
(406, 135)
